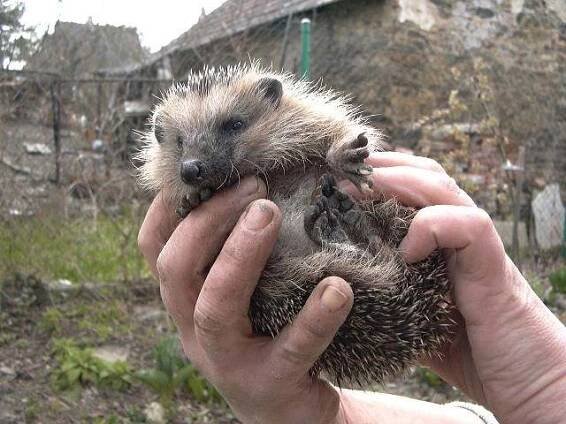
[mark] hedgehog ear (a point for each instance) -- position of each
(271, 89)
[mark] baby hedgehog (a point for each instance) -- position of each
(226, 123)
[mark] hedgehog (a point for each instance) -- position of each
(301, 138)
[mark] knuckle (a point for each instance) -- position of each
(163, 266)
(434, 165)
(314, 333)
(294, 356)
(232, 252)
(207, 323)
(141, 240)
(144, 242)
(482, 221)
(450, 184)
(166, 299)
(423, 217)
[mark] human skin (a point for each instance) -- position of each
(509, 352)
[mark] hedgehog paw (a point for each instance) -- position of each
(347, 211)
(334, 215)
(193, 199)
(347, 161)
(322, 223)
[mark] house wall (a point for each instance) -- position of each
(455, 79)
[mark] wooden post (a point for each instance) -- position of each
(519, 179)
(99, 111)
(55, 91)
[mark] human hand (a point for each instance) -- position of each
(206, 282)
(509, 351)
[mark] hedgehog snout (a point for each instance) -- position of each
(192, 171)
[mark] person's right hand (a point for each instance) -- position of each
(509, 353)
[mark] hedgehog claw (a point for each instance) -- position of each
(193, 199)
(334, 217)
(347, 161)
(205, 194)
(322, 224)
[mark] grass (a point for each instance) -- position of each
(98, 321)
(558, 280)
(78, 249)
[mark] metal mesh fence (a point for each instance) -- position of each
(66, 143)
(69, 199)
(66, 155)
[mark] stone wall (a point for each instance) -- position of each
(459, 80)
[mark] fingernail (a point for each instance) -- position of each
(258, 215)
(332, 299)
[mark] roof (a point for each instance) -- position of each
(235, 16)
(232, 17)
(75, 50)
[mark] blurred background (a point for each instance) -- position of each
(478, 85)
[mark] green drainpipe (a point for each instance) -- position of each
(305, 48)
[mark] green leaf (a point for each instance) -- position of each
(182, 376)
(197, 389)
(156, 379)
(73, 376)
(558, 280)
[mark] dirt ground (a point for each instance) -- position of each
(135, 324)
(129, 318)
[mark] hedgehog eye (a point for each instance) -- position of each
(179, 141)
(237, 125)
(233, 125)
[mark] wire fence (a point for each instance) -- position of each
(66, 156)
(66, 143)
(69, 200)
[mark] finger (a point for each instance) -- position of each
(221, 312)
(300, 344)
(477, 265)
(467, 230)
(418, 187)
(158, 224)
(191, 249)
(389, 159)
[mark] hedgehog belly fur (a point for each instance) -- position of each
(400, 312)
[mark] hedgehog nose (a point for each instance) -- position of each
(191, 170)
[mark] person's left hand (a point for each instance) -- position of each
(206, 283)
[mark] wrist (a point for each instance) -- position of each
(318, 403)
(525, 381)
(376, 408)
(545, 406)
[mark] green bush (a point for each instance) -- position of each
(172, 373)
(78, 367)
(50, 320)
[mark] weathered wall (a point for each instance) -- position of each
(455, 79)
